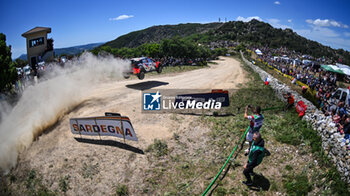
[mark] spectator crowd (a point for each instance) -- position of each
(307, 69)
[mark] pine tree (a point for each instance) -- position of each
(7, 68)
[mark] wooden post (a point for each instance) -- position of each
(78, 127)
(98, 132)
(122, 127)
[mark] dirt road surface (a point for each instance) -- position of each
(94, 169)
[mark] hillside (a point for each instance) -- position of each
(263, 34)
(158, 33)
(69, 50)
(254, 33)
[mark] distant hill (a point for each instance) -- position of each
(263, 34)
(250, 33)
(70, 50)
(23, 57)
(158, 33)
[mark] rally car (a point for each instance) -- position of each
(142, 65)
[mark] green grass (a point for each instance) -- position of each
(30, 179)
(297, 184)
(289, 168)
(211, 62)
(180, 68)
(35, 185)
(289, 129)
(220, 191)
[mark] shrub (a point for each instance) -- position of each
(159, 148)
(122, 190)
(63, 183)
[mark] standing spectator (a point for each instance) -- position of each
(303, 89)
(341, 109)
(256, 122)
(346, 127)
(256, 155)
(290, 100)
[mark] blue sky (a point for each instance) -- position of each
(76, 22)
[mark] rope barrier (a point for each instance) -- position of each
(273, 108)
(228, 159)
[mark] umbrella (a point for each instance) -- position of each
(332, 68)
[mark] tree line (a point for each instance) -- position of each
(175, 47)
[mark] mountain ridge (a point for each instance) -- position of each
(254, 33)
(158, 33)
(72, 50)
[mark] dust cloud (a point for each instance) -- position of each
(42, 105)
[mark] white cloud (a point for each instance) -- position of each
(240, 18)
(335, 24)
(318, 33)
(318, 30)
(321, 31)
(326, 23)
(325, 36)
(309, 21)
(326, 32)
(122, 17)
(276, 23)
(277, 3)
(273, 20)
(338, 42)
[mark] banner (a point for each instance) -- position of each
(117, 126)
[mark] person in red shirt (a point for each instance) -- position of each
(290, 100)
